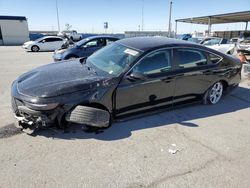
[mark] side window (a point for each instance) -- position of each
(110, 40)
(214, 58)
(92, 43)
(154, 63)
(188, 58)
(224, 41)
(57, 39)
(49, 40)
(101, 42)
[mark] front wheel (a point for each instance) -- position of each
(213, 94)
(35, 48)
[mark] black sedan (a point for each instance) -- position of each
(83, 48)
(128, 77)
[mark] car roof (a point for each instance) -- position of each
(45, 37)
(150, 43)
(101, 36)
(213, 38)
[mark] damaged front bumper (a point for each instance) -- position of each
(30, 120)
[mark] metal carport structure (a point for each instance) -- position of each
(217, 19)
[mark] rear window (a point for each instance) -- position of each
(188, 58)
(214, 58)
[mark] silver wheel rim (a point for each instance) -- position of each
(35, 49)
(216, 92)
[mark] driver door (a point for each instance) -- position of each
(149, 84)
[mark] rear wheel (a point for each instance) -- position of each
(35, 48)
(213, 94)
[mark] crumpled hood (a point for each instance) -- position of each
(57, 79)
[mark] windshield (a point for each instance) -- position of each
(114, 58)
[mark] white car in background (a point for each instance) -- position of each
(219, 44)
(244, 44)
(75, 36)
(48, 43)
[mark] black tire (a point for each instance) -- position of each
(80, 38)
(213, 94)
(89, 116)
(35, 48)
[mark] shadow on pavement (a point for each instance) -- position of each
(237, 100)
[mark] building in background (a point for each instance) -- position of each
(13, 30)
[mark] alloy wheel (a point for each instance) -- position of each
(215, 93)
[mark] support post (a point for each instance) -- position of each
(246, 26)
(176, 28)
(169, 21)
(57, 14)
(209, 26)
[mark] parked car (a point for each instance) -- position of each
(185, 36)
(75, 36)
(195, 39)
(220, 44)
(47, 43)
(235, 40)
(128, 77)
(244, 44)
(83, 48)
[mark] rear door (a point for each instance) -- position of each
(56, 43)
(156, 89)
(194, 74)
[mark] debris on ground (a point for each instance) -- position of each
(173, 151)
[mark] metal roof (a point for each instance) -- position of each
(12, 18)
(219, 18)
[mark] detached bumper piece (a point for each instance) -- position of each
(89, 116)
(30, 120)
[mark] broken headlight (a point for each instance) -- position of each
(50, 106)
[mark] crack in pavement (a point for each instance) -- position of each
(218, 156)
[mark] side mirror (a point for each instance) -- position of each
(136, 76)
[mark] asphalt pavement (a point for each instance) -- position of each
(195, 146)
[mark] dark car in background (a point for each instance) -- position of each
(127, 77)
(83, 48)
